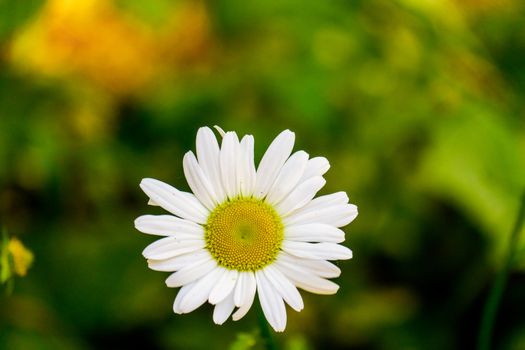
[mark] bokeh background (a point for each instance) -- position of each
(418, 105)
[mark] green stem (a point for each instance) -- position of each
(266, 333)
(491, 307)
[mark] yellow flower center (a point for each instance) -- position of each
(244, 234)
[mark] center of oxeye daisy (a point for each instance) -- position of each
(244, 234)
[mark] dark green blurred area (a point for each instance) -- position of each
(418, 105)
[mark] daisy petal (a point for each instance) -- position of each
(208, 156)
(328, 200)
(220, 130)
(288, 177)
(285, 288)
(230, 150)
(168, 225)
(238, 293)
(247, 176)
(322, 251)
(224, 287)
(249, 287)
(272, 161)
(321, 268)
(337, 215)
(330, 204)
(314, 233)
(169, 247)
(179, 203)
(198, 182)
(180, 295)
(271, 302)
(177, 262)
(244, 294)
(307, 281)
(223, 310)
(200, 292)
(316, 166)
(301, 195)
(191, 272)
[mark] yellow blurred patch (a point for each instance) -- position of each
(95, 40)
(22, 257)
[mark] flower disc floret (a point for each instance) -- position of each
(244, 234)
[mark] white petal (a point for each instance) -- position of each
(244, 294)
(284, 287)
(305, 280)
(288, 177)
(229, 157)
(321, 268)
(177, 262)
(208, 156)
(179, 203)
(301, 195)
(331, 205)
(337, 215)
(169, 247)
(192, 272)
(316, 166)
(168, 225)
(180, 295)
(223, 310)
(200, 292)
(314, 233)
(238, 293)
(152, 203)
(272, 161)
(328, 200)
(247, 176)
(271, 302)
(322, 251)
(198, 182)
(224, 287)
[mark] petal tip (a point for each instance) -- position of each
(146, 181)
(137, 222)
(220, 130)
(203, 129)
(279, 329)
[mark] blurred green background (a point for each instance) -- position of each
(418, 105)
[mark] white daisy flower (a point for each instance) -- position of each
(245, 231)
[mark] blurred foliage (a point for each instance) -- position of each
(244, 341)
(417, 104)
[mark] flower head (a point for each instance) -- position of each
(247, 231)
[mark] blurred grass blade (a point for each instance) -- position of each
(5, 269)
(491, 307)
